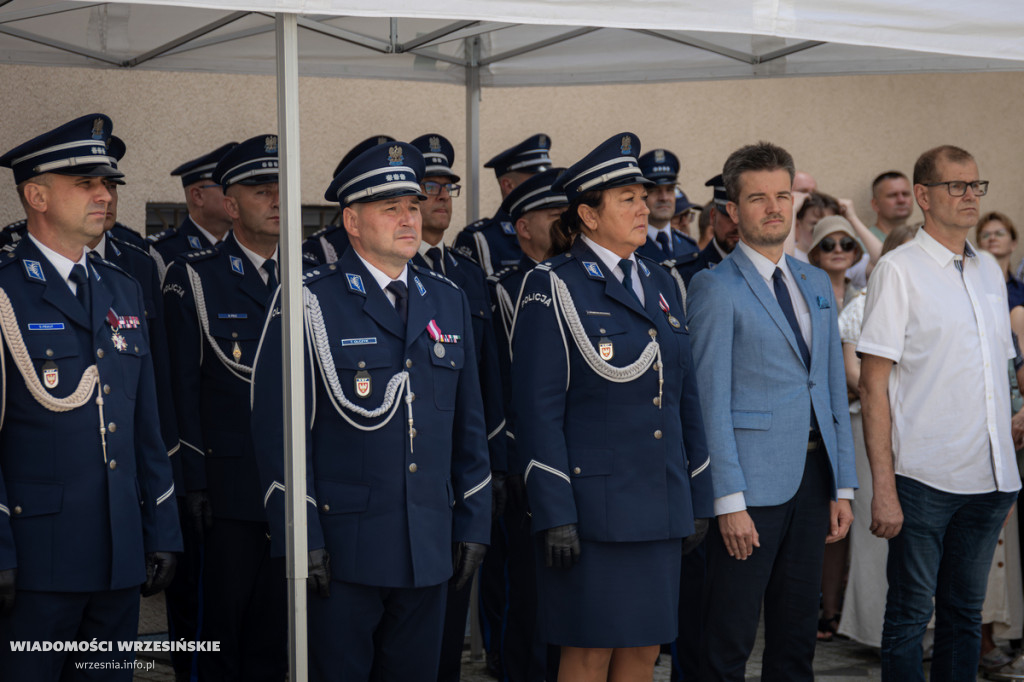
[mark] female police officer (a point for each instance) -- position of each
(609, 427)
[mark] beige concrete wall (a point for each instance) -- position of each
(844, 130)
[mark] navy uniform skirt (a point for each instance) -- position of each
(620, 594)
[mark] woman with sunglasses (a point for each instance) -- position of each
(834, 248)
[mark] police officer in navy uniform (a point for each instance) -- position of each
(397, 473)
(216, 301)
(87, 508)
(116, 148)
(207, 223)
(662, 168)
(534, 208)
(491, 242)
(439, 185)
(327, 244)
(606, 412)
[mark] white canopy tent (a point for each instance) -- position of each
(492, 43)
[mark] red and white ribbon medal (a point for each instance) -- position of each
(435, 336)
(663, 304)
(115, 326)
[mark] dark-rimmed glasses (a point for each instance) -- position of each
(957, 188)
(434, 188)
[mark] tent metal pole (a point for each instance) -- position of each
(290, 254)
(472, 128)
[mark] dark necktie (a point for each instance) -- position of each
(81, 280)
(786, 303)
(434, 256)
(627, 279)
(270, 267)
(664, 243)
(401, 293)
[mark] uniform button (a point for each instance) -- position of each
(601, 331)
(653, 332)
(413, 468)
(49, 352)
(412, 397)
(17, 509)
(657, 402)
(111, 427)
(453, 363)
(325, 508)
(576, 470)
(106, 389)
(99, 352)
(1000, 542)
(234, 335)
(408, 363)
(113, 464)
(136, 349)
(1000, 564)
(657, 435)
(657, 366)
(209, 451)
(362, 364)
(332, 266)
(412, 433)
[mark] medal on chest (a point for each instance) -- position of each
(115, 327)
(439, 338)
(663, 304)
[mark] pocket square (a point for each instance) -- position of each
(823, 303)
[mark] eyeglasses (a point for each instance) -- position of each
(828, 244)
(957, 188)
(434, 188)
(994, 233)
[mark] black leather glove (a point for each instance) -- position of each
(562, 546)
(700, 531)
(7, 580)
(319, 567)
(499, 496)
(466, 558)
(197, 506)
(515, 491)
(159, 572)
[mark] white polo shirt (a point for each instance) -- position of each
(949, 336)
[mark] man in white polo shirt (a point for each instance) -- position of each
(936, 408)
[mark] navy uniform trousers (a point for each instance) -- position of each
(78, 510)
(244, 592)
(387, 500)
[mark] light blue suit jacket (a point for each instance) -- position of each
(756, 393)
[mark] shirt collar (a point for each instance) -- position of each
(939, 253)
(608, 257)
(101, 247)
(763, 265)
(426, 246)
(60, 263)
(203, 231)
(256, 258)
(382, 279)
(652, 232)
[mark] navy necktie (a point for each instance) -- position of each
(664, 243)
(786, 303)
(270, 267)
(81, 280)
(627, 279)
(434, 256)
(401, 292)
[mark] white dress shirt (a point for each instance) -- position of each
(61, 263)
(426, 246)
(948, 334)
(258, 260)
(611, 261)
(383, 280)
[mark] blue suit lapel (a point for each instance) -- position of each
(56, 292)
(613, 288)
(251, 282)
(101, 299)
(766, 297)
(421, 308)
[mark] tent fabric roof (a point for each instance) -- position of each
(524, 42)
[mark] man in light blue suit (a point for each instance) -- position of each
(773, 394)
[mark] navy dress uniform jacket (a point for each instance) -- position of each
(607, 455)
(211, 373)
(465, 273)
(491, 242)
(175, 241)
(325, 246)
(385, 504)
(74, 518)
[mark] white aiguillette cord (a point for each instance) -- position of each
(651, 354)
(23, 361)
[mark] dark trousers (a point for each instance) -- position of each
(784, 572)
(382, 634)
(182, 596)
(686, 648)
(456, 611)
(49, 617)
(524, 655)
(245, 605)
